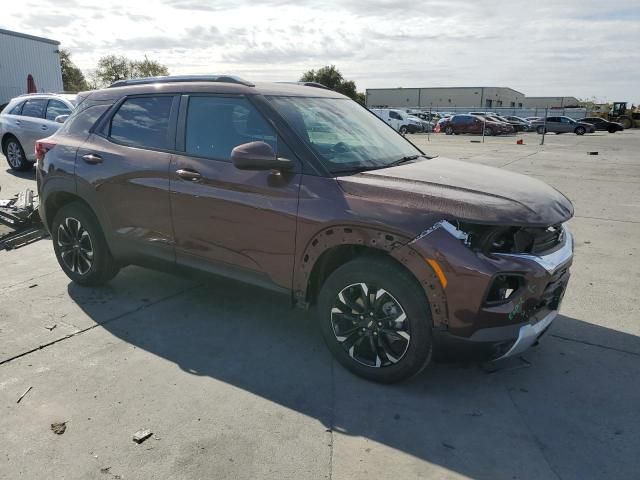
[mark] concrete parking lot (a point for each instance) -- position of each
(235, 384)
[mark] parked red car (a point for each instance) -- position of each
(473, 124)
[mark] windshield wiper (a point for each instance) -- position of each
(377, 167)
(404, 160)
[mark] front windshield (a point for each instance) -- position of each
(345, 136)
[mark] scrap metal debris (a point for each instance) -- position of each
(20, 215)
(24, 394)
(59, 427)
(141, 436)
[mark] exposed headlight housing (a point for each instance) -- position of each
(499, 239)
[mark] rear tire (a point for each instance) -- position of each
(80, 246)
(381, 331)
(14, 153)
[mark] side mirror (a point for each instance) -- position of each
(258, 156)
(61, 118)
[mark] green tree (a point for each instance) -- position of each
(330, 77)
(149, 68)
(72, 78)
(112, 68)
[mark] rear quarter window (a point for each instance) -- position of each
(81, 120)
(17, 109)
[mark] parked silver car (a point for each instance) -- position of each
(562, 125)
(28, 118)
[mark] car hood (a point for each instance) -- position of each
(463, 191)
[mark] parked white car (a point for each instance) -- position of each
(28, 118)
(399, 120)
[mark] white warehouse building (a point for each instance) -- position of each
(28, 64)
(445, 98)
(551, 102)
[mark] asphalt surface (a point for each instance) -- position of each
(235, 384)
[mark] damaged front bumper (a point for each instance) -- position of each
(529, 335)
(495, 329)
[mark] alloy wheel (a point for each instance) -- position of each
(75, 246)
(14, 154)
(370, 325)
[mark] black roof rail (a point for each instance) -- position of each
(182, 78)
(309, 84)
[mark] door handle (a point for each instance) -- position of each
(188, 174)
(18, 122)
(92, 158)
(43, 127)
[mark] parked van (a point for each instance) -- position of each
(399, 120)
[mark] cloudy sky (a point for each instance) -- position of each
(581, 48)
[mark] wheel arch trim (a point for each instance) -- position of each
(395, 246)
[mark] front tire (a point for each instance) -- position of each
(80, 246)
(580, 131)
(540, 130)
(448, 130)
(16, 158)
(375, 319)
(488, 132)
(403, 130)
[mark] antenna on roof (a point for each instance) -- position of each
(309, 84)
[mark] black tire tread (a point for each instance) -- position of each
(25, 165)
(384, 272)
(104, 267)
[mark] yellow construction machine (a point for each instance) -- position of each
(628, 117)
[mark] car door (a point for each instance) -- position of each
(553, 124)
(30, 125)
(475, 124)
(395, 119)
(566, 125)
(122, 169)
(596, 122)
(236, 222)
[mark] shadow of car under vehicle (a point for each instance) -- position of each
(26, 174)
(572, 412)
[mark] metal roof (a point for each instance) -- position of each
(30, 37)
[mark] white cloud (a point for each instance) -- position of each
(581, 48)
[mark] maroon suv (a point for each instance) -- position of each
(474, 124)
(299, 189)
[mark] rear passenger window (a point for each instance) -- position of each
(143, 122)
(216, 125)
(34, 108)
(55, 108)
